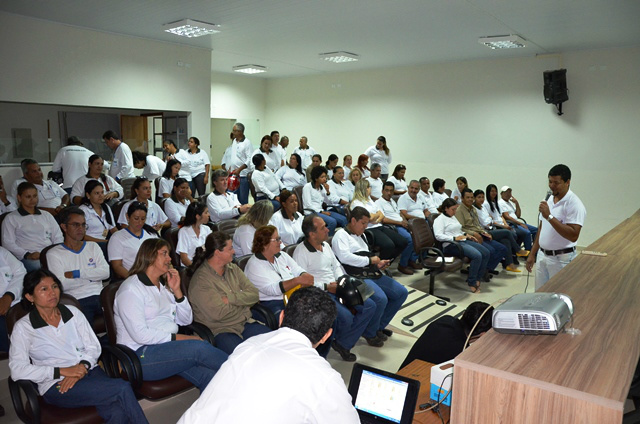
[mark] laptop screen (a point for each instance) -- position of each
(381, 395)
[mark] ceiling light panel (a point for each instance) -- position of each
(250, 69)
(503, 42)
(190, 28)
(339, 57)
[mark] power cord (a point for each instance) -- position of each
(435, 406)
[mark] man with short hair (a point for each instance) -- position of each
(511, 213)
(51, 197)
(316, 257)
(306, 152)
(280, 152)
(438, 192)
(468, 218)
(375, 182)
(122, 163)
(316, 160)
(152, 166)
(425, 185)
(80, 265)
(239, 161)
(278, 377)
(221, 203)
(352, 250)
(411, 205)
(562, 217)
(73, 161)
(393, 217)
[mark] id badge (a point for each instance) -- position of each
(104, 233)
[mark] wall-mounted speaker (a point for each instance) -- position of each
(555, 86)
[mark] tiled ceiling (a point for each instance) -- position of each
(287, 35)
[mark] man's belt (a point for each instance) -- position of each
(558, 252)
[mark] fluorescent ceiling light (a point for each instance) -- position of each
(339, 57)
(250, 69)
(190, 28)
(503, 42)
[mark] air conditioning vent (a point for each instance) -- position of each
(533, 322)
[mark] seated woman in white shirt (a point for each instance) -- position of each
(332, 162)
(291, 175)
(447, 229)
(28, 230)
(340, 189)
(171, 172)
(363, 160)
(199, 165)
(221, 203)
(386, 238)
(267, 185)
(272, 161)
(176, 206)
(347, 161)
(124, 244)
(258, 216)
(317, 192)
(193, 233)
(141, 192)
(100, 221)
(354, 176)
(112, 190)
(148, 308)
(273, 272)
(397, 178)
(55, 347)
(461, 184)
(288, 220)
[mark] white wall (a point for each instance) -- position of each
(45, 62)
(486, 120)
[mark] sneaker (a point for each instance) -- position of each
(344, 353)
(374, 341)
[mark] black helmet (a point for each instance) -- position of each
(352, 291)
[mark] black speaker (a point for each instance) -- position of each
(555, 86)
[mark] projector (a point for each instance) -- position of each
(533, 313)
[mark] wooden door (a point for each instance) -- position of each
(134, 132)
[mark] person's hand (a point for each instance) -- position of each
(383, 264)
(514, 200)
(111, 195)
(326, 213)
(5, 304)
(530, 261)
(67, 384)
(68, 274)
(487, 235)
(331, 288)
(77, 371)
(244, 208)
(173, 281)
(157, 227)
(34, 255)
(225, 300)
(544, 209)
(374, 260)
(460, 238)
(186, 337)
(404, 224)
(277, 198)
(305, 280)
(206, 178)
(523, 225)
(326, 187)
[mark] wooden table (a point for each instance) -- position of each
(505, 378)
(421, 371)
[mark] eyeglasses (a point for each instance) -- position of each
(77, 225)
(276, 239)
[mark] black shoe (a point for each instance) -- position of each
(374, 341)
(386, 332)
(487, 277)
(494, 272)
(344, 353)
(381, 336)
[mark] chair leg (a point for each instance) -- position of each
(432, 282)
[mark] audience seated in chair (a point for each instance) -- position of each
(317, 192)
(223, 204)
(51, 197)
(258, 216)
(511, 212)
(112, 190)
(425, 185)
(141, 192)
(12, 273)
(411, 204)
(175, 207)
(193, 233)
(288, 220)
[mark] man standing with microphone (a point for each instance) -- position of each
(562, 217)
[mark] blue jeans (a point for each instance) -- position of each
(91, 307)
(194, 360)
(508, 240)
(275, 203)
(112, 397)
(349, 327)
(497, 251)
(407, 254)
(478, 255)
(389, 295)
(31, 264)
(334, 220)
(243, 191)
(227, 342)
(525, 236)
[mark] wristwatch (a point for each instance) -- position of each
(549, 218)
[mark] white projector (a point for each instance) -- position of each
(533, 313)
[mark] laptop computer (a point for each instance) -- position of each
(383, 397)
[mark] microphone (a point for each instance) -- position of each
(549, 193)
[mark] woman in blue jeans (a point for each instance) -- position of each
(447, 229)
(317, 192)
(148, 308)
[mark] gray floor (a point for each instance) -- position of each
(388, 357)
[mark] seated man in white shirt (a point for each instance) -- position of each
(375, 182)
(393, 216)
(80, 265)
(511, 212)
(221, 203)
(352, 251)
(425, 185)
(439, 195)
(315, 256)
(152, 166)
(12, 273)
(278, 377)
(51, 197)
(411, 205)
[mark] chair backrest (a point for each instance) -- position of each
(431, 218)
(446, 190)
(298, 191)
(171, 236)
(204, 198)
(2, 217)
(421, 234)
(290, 248)
(126, 184)
(117, 208)
(242, 261)
(43, 257)
(107, 297)
(17, 311)
(214, 227)
(185, 279)
(252, 188)
(228, 226)
(156, 184)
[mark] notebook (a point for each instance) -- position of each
(383, 397)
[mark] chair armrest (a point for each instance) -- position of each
(202, 331)
(16, 388)
(134, 372)
(430, 252)
(269, 318)
(115, 362)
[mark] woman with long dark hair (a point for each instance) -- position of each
(379, 153)
(288, 220)
(171, 172)
(176, 206)
(332, 162)
(112, 190)
(141, 192)
(199, 165)
(291, 174)
(193, 233)
(270, 156)
(101, 223)
(397, 178)
(317, 192)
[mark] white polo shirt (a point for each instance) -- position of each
(154, 168)
(243, 240)
(88, 265)
(183, 157)
(568, 210)
(23, 232)
(413, 207)
(429, 201)
(223, 206)
(97, 225)
(508, 207)
(49, 194)
(438, 198)
(389, 208)
(155, 215)
(379, 156)
(290, 231)
(188, 241)
(371, 206)
(376, 186)
(240, 154)
(175, 211)
(124, 245)
(345, 245)
(399, 185)
(12, 274)
(291, 178)
(267, 276)
(73, 161)
(122, 164)
(306, 155)
(341, 190)
(198, 162)
(78, 187)
(323, 265)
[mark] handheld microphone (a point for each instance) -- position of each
(549, 193)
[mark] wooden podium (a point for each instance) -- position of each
(506, 378)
